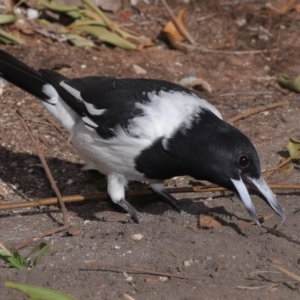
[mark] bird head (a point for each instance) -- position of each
(226, 157)
(235, 165)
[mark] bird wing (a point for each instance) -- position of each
(106, 104)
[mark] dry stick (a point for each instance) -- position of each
(282, 164)
(104, 195)
(233, 52)
(134, 270)
(42, 235)
(48, 172)
(287, 272)
(61, 131)
(256, 110)
(54, 187)
(177, 24)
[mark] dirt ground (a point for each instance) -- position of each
(225, 263)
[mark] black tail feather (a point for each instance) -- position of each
(21, 75)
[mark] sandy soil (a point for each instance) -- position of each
(225, 263)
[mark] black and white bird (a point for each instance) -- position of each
(144, 129)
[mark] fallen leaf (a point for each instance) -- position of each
(171, 31)
(79, 41)
(208, 223)
(293, 147)
(6, 19)
(192, 81)
(107, 36)
(9, 38)
(74, 231)
(292, 84)
(287, 6)
(247, 224)
(23, 28)
(286, 170)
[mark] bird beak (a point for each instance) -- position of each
(260, 186)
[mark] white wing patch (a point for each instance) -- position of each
(71, 90)
(167, 112)
(90, 107)
(59, 109)
(51, 92)
(89, 124)
(92, 110)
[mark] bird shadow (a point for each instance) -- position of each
(22, 172)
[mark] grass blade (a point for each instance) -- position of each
(7, 19)
(9, 38)
(107, 36)
(38, 293)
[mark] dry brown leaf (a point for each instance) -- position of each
(208, 223)
(145, 43)
(23, 28)
(247, 224)
(171, 31)
(222, 267)
(287, 6)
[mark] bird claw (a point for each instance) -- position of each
(141, 218)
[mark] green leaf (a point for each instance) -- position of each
(79, 41)
(286, 170)
(74, 14)
(38, 293)
(7, 19)
(14, 259)
(97, 10)
(108, 22)
(9, 38)
(43, 248)
(293, 147)
(107, 36)
(58, 7)
(85, 22)
(292, 84)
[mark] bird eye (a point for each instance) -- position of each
(244, 161)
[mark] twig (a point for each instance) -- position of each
(288, 273)
(42, 235)
(177, 24)
(256, 110)
(233, 52)
(47, 170)
(134, 270)
(206, 17)
(271, 172)
(247, 224)
(246, 93)
(104, 195)
(61, 131)
(256, 287)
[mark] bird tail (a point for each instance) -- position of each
(21, 75)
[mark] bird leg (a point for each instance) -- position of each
(116, 189)
(160, 190)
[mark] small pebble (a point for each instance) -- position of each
(138, 70)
